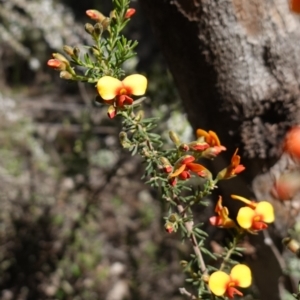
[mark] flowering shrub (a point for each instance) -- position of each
(169, 170)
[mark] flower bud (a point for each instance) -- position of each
(89, 28)
(98, 29)
(95, 15)
(166, 164)
(124, 141)
(184, 147)
(129, 13)
(205, 278)
(173, 218)
(96, 52)
(292, 245)
(61, 58)
(76, 51)
(56, 64)
(105, 23)
(174, 138)
(65, 75)
(170, 227)
(111, 112)
(68, 50)
(112, 14)
(140, 115)
(183, 263)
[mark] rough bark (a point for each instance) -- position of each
(236, 64)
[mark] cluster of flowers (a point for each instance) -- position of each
(117, 94)
(252, 218)
(208, 146)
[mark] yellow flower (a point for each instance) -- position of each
(109, 87)
(255, 216)
(256, 219)
(117, 93)
(221, 283)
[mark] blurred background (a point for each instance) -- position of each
(76, 221)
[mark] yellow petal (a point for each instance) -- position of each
(245, 216)
(266, 210)
(218, 282)
(245, 200)
(136, 83)
(108, 87)
(241, 274)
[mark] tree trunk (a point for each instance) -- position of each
(236, 64)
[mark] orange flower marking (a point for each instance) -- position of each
(183, 168)
(221, 283)
(222, 220)
(254, 216)
(117, 93)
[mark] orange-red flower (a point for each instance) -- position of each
(233, 169)
(221, 283)
(254, 216)
(117, 93)
(222, 220)
(210, 137)
(214, 146)
(292, 142)
(129, 13)
(183, 168)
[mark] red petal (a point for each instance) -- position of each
(188, 159)
(231, 291)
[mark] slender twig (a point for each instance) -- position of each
(183, 291)
(189, 227)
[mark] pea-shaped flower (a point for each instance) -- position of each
(254, 216)
(220, 283)
(117, 93)
(222, 219)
